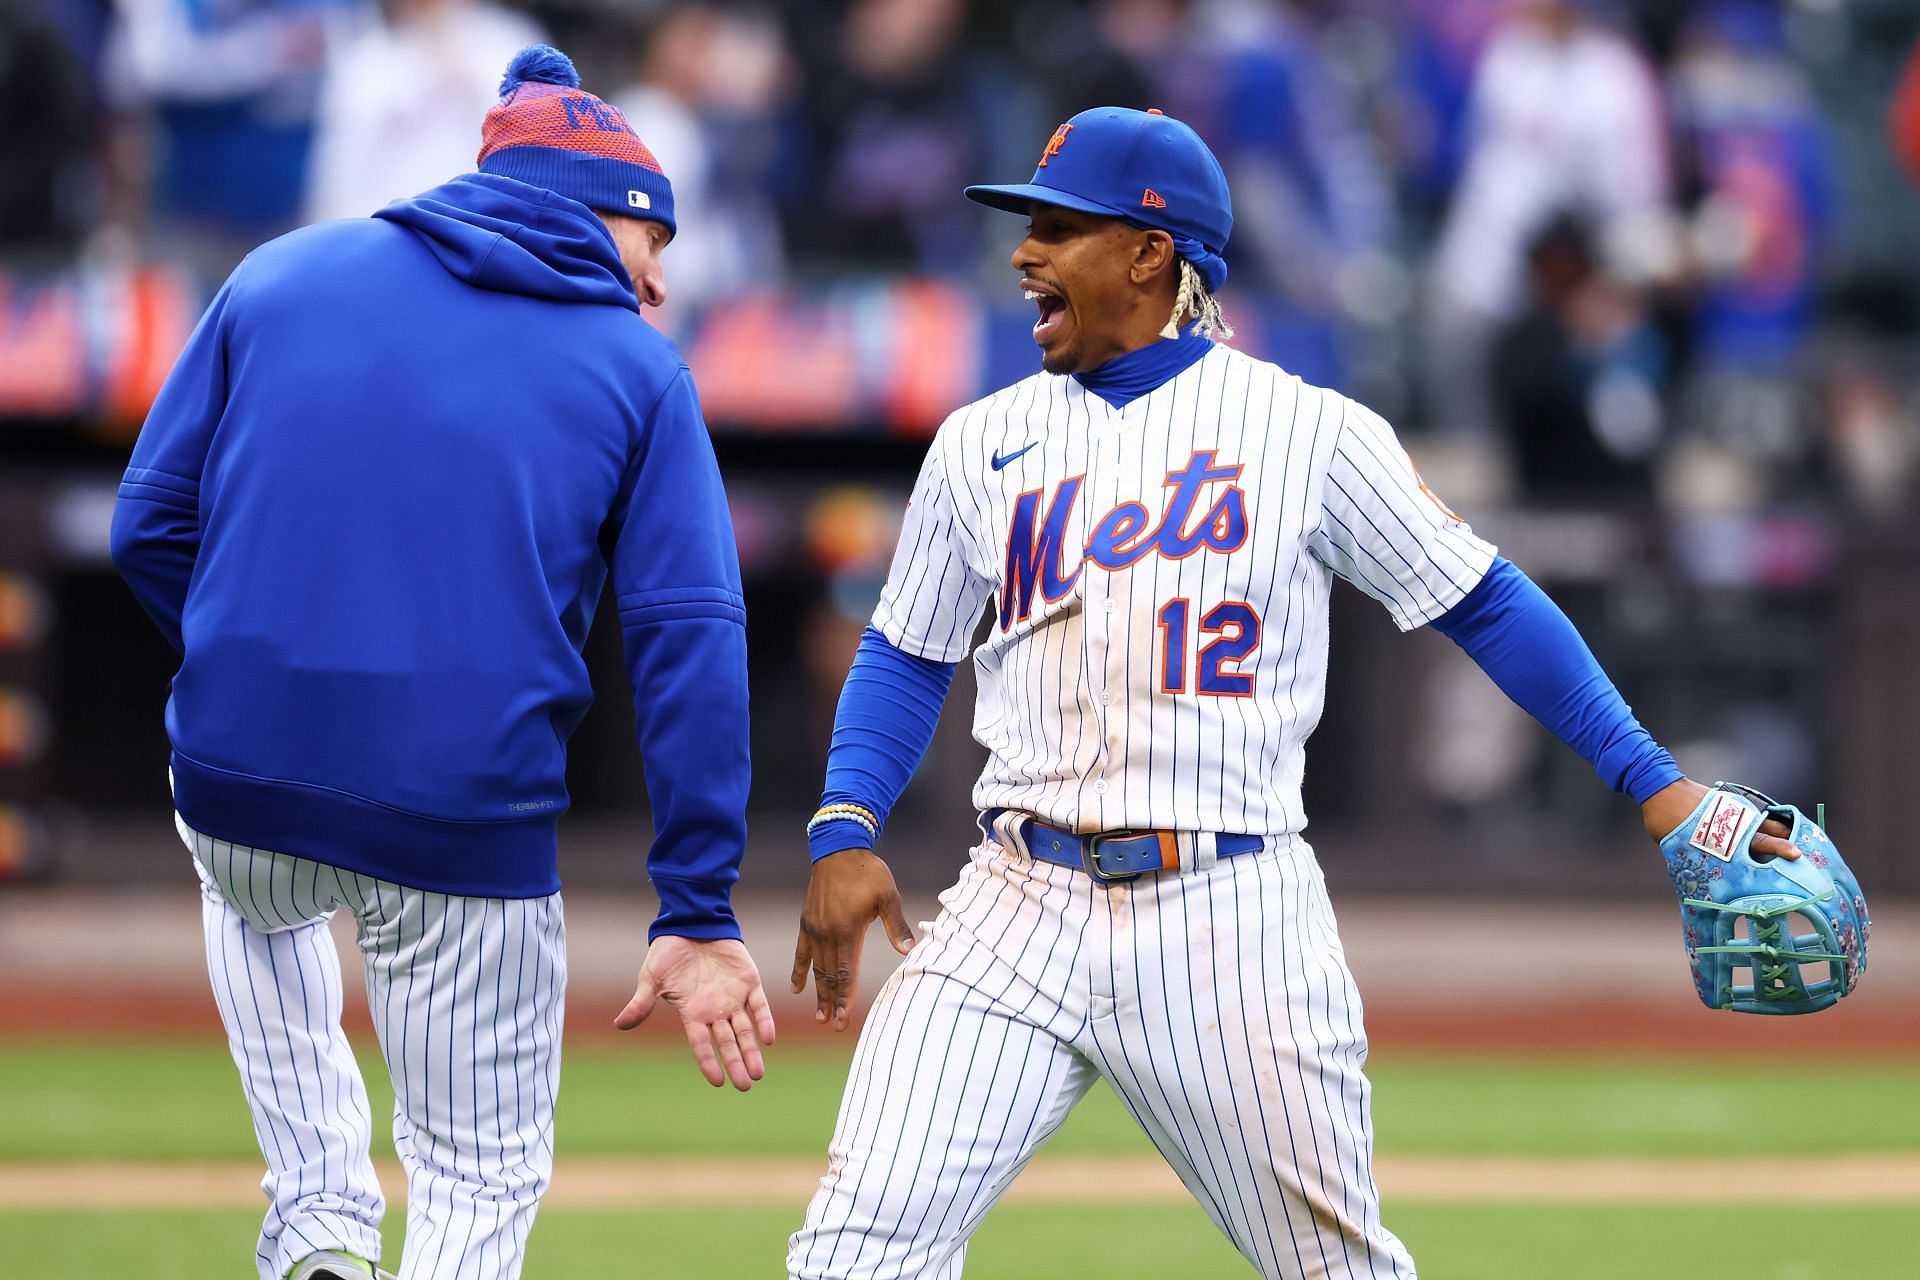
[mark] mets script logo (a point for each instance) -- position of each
(1036, 545)
(1057, 141)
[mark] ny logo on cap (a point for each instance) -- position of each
(1057, 141)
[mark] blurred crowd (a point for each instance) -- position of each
(1614, 239)
(1637, 280)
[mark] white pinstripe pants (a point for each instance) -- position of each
(466, 996)
(1217, 1004)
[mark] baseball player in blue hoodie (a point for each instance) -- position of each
(374, 508)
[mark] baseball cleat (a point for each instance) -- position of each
(330, 1264)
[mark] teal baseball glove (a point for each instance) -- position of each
(1739, 914)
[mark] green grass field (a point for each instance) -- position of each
(170, 1102)
(1493, 1242)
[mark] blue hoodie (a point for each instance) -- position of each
(374, 507)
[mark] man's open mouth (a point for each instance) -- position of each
(1053, 312)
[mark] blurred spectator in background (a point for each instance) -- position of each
(1252, 79)
(231, 86)
(396, 116)
(1566, 116)
(1577, 376)
(1439, 43)
(83, 24)
(47, 135)
(713, 83)
(1906, 114)
(1063, 61)
(1872, 418)
(896, 107)
(1755, 148)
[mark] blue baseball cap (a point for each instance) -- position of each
(1141, 166)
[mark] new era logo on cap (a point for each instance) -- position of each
(1151, 200)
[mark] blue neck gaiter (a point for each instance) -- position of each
(1126, 378)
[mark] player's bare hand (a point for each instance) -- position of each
(848, 891)
(715, 988)
(1672, 805)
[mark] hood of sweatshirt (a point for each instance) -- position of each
(501, 234)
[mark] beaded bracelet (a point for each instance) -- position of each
(873, 833)
(843, 808)
(859, 815)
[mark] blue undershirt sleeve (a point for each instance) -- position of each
(884, 724)
(1528, 647)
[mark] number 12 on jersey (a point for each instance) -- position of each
(1235, 629)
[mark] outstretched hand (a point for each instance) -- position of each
(715, 988)
(1672, 805)
(848, 890)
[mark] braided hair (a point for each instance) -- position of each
(1195, 304)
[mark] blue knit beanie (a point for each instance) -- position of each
(549, 132)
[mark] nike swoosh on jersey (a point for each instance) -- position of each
(997, 462)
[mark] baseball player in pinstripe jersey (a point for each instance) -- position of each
(374, 508)
(1153, 524)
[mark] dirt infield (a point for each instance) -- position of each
(80, 963)
(1884, 1028)
(611, 1183)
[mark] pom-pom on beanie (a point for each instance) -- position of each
(549, 132)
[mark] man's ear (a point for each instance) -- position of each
(1152, 254)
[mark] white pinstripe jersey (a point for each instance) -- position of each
(1158, 654)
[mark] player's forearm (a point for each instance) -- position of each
(1528, 647)
(689, 674)
(881, 731)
